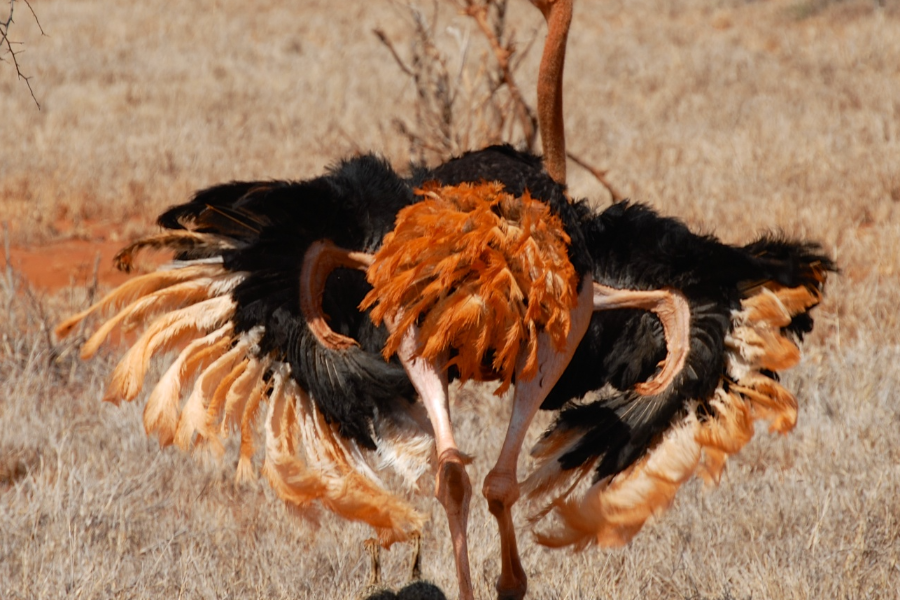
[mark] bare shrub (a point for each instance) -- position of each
(467, 94)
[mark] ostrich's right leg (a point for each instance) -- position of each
(501, 486)
(452, 486)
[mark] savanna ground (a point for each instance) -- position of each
(734, 116)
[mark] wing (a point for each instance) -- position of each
(749, 309)
(229, 306)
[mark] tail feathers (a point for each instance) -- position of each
(162, 408)
(249, 414)
(246, 386)
(611, 512)
(790, 264)
(693, 434)
(405, 442)
(220, 209)
(209, 429)
(194, 413)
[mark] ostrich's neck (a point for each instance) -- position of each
(558, 14)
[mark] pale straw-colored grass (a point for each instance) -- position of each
(735, 116)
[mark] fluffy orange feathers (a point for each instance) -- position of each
(612, 511)
(479, 271)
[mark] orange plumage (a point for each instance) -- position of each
(479, 271)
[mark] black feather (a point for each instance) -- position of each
(634, 248)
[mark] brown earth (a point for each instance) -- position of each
(75, 261)
(71, 262)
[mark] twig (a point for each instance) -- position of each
(599, 175)
(504, 55)
(46, 323)
(5, 41)
(10, 279)
(453, 110)
(95, 279)
(459, 107)
(382, 36)
(9, 268)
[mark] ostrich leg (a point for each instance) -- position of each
(452, 486)
(374, 551)
(501, 486)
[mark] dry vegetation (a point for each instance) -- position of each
(735, 116)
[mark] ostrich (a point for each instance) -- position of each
(337, 309)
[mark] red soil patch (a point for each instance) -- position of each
(66, 263)
(72, 262)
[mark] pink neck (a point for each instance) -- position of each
(558, 14)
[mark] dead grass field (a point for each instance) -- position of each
(736, 116)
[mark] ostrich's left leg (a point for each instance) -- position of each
(501, 486)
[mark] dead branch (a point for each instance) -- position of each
(493, 32)
(10, 45)
(382, 36)
(598, 175)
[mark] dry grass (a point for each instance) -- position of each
(736, 116)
